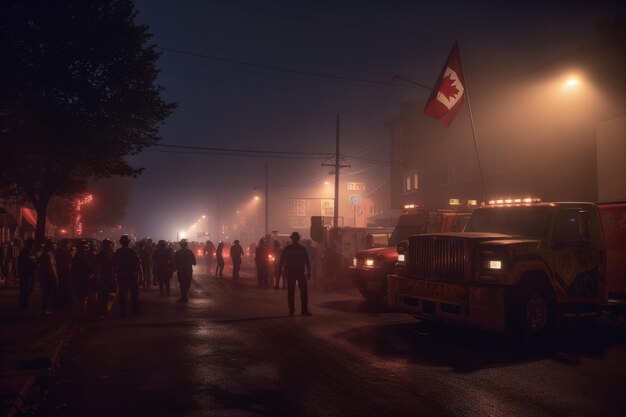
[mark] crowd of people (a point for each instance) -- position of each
(87, 278)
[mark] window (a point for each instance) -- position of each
(411, 182)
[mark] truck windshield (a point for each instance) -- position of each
(519, 221)
(402, 232)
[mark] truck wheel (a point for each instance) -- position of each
(373, 296)
(535, 314)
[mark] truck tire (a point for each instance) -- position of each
(373, 296)
(534, 314)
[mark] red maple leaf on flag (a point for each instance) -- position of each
(447, 87)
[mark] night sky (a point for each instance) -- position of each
(236, 106)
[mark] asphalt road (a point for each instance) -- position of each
(234, 351)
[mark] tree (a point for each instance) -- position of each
(78, 94)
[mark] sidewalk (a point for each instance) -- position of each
(29, 343)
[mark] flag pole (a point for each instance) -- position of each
(476, 149)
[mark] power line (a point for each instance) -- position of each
(317, 158)
(203, 148)
(281, 69)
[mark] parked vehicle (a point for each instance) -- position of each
(520, 266)
(370, 267)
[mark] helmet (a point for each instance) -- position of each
(124, 239)
(295, 236)
(183, 243)
(236, 242)
(161, 244)
(106, 243)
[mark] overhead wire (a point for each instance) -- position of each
(282, 69)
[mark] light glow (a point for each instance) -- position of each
(495, 264)
(369, 262)
(354, 261)
(401, 257)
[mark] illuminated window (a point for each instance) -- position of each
(410, 182)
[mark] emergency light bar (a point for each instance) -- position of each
(514, 201)
(413, 206)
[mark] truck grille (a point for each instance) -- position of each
(437, 258)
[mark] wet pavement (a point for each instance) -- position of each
(29, 343)
(234, 351)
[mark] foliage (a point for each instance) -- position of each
(78, 93)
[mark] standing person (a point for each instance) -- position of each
(64, 271)
(236, 252)
(209, 248)
(106, 279)
(48, 275)
(332, 263)
(144, 259)
(219, 256)
(83, 278)
(312, 252)
(262, 267)
(184, 260)
(163, 267)
(27, 267)
(295, 261)
(277, 252)
(127, 270)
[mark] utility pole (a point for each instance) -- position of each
(267, 200)
(336, 166)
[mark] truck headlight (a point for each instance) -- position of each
(369, 262)
(354, 261)
(401, 257)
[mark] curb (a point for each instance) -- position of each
(26, 390)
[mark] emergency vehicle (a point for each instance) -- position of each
(370, 267)
(520, 266)
(613, 216)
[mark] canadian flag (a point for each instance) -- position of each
(448, 94)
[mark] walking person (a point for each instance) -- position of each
(295, 262)
(262, 266)
(163, 267)
(184, 260)
(127, 270)
(219, 256)
(27, 267)
(83, 277)
(48, 275)
(236, 252)
(106, 279)
(209, 248)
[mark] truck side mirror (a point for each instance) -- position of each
(583, 225)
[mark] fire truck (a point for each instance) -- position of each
(613, 217)
(520, 266)
(370, 267)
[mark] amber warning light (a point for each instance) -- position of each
(514, 201)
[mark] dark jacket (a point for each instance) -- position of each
(184, 260)
(295, 260)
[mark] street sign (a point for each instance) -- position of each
(327, 207)
(356, 186)
(296, 207)
(356, 200)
